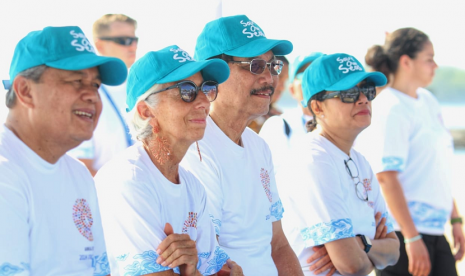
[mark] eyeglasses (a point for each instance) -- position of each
(257, 66)
(189, 90)
(360, 189)
(121, 40)
(352, 95)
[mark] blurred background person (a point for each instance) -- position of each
(411, 152)
(114, 36)
(333, 199)
(281, 132)
(155, 217)
(257, 124)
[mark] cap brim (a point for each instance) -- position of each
(214, 69)
(258, 47)
(304, 62)
(352, 79)
(6, 84)
(112, 71)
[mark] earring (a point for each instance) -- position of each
(159, 147)
(198, 150)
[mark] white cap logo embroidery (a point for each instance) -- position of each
(184, 55)
(348, 64)
(251, 30)
(83, 44)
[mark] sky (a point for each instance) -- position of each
(328, 26)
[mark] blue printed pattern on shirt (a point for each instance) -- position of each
(325, 232)
(277, 210)
(144, 263)
(427, 216)
(7, 269)
(101, 265)
(216, 224)
(388, 223)
(215, 263)
(393, 163)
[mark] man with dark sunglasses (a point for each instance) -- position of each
(114, 36)
(236, 168)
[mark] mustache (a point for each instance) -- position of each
(262, 89)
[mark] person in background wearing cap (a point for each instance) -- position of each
(282, 132)
(154, 212)
(48, 204)
(236, 168)
(411, 151)
(333, 199)
(114, 36)
(257, 124)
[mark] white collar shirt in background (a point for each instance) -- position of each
(110, 136)
(407, 135)
(136, 202)
(49, 212)
(242, 195)
(321, 200)
(274, 134)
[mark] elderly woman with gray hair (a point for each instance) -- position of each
(154, 212)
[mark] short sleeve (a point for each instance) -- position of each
(319, 202)
(132, 226)
(208, 174)
(84, 151)
(380, 204)
(387, 144)
(211, 256)
(14, 232)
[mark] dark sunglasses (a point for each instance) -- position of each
(121, 40)
(257, 66)
(189, 90)
(351, 95)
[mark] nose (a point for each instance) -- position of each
(267, 77)
(133, 45)
(362, 99)
(90, 94)
(201, 101)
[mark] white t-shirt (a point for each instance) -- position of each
(321, 200)
(110, 137)
(274, 134)
(242, 195)
(49, 212)
(407, 135)
(136, 202)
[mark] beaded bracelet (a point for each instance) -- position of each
(416, 238)
(456, 220)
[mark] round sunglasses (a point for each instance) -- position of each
(121, 40)
(189, 90)
(257, 66)
(352, 95)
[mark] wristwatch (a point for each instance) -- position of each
(366, 241)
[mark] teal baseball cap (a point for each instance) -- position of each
(336, 72)
(65, 48)
(237, 36)
(168, 65)
(301, 61)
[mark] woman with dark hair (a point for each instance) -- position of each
(410, 150)
(336, 208)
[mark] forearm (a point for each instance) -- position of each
(455, 211)
(348, 256)
(384, 252)
(286, 261)
(395, 199)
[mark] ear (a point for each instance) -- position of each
(316, 107)
(22, 88)
(100, 46)
(405, 62)
(145, 112)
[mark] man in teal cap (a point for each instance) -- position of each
(236, 168)
(282, 132)
(48, 204)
